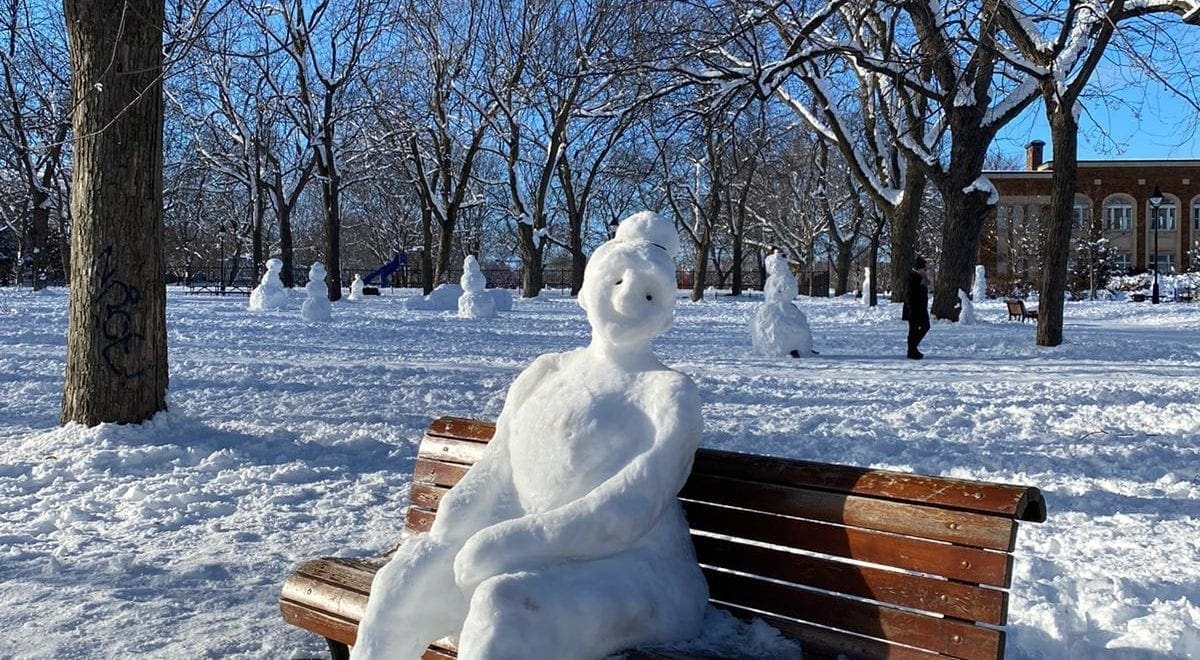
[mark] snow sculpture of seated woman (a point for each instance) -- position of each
(566, 539)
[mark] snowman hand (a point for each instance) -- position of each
(489, 552)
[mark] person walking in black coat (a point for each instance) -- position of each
(916, 308)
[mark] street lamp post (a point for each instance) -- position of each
(1156, 200)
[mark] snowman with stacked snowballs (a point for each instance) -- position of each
(566, 539)
(778, 328)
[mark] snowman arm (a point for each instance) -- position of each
(607, 520)
(485, 495)
(482, 497)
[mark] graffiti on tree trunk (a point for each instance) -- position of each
(115, 302)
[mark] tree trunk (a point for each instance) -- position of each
(260, 214)
(533, 279)
(444, 246)
(117, 341)
(960, 245)
(286, 251)
(903, 234)
(700, 266)
(426, 251)
(1056, 238)
(331, 189)
(738, 264)
(578, 262)
(39, 235)
(841, 267)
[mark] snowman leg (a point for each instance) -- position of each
(414, 601)
(585, 610)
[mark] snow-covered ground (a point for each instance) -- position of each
(288, 440)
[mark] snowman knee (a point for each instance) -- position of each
(507, 619)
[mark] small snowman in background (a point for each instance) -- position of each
(966, 312)
(316, 307)
(475, 301)
(269, 294)
(778, 327)
(356, 288)
(979, 287)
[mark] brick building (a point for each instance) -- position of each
(1113, 195)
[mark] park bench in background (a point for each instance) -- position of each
(1016, 310)
(851, 561)
(212, 287)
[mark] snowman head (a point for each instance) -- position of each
(629, 283)
(274, 265)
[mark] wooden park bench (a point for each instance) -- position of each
(1016, 310)
(845, 560)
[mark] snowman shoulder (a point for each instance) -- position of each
(670, 395)
(541, 368)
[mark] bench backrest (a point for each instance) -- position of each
(856, 561)
(1016, 307)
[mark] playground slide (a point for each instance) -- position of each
(385, 271)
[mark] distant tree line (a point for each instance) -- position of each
(846, 133)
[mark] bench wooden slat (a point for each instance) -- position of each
(427, 496)
(418, 520)
(449, 449)
(977, 530)
(948, 636)
(462, 428)
(943, 597)
(309, 616)
(910, 554)
(427, 471)
(826, 643)
(1020, 502)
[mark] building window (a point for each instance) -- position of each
(1165, 262)
(1196, 215)
(1081, 215)
(1163, 218)
(1121, 261)
(1118, 214)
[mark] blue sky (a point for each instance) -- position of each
(1152, 125)
(1127, 114)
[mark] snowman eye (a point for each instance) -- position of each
(618, 282)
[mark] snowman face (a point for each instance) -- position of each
(629, 293)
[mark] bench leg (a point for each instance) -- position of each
(338, 650)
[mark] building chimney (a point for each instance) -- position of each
(1033, 155)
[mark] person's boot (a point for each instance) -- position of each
(914, 354)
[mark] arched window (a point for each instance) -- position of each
(1164, 217)
(1118, 213)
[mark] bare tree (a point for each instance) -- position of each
(34, 128)
(117, 349)
(1060, 48)
(327, 45)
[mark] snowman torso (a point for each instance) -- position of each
(579, 425)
